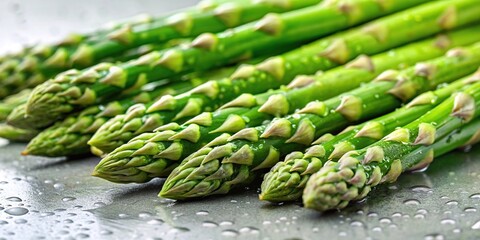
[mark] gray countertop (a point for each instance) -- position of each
(43, 198)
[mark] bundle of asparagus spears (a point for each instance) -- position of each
(324, 99)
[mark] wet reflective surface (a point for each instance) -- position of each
(41, 198)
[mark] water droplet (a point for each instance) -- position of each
(419, 216)
(202, 213)
(475, 196)
(372, 214)
(68, 221)
(229, 233)
(411, 202)
(209, 224)
(422, 211)
(106, 232)
(457, 230)
(144, 215)
(14, 199)
(99, 204)
(396, 215)
(385, 220)
(46, 214)
(421, 189)
(476, 225)
(2, 222)
(377, 229)
(155, 221)
(267, 222)
(448, 221)
(315, 229)
(452, 203)
(59, 186)
(17, 211)
(176, 230)
(123, 215)
(82, 235)
(356, 224)
(20, 221)
(434, 236)
(470, 209)
(68, 199)
(342, 234)
(226, 223)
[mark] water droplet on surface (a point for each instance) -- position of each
(377, 229)
(229, 233)
(475, 196)
(123, 215)
(476, 225)
(14, 199)
(68, 221)
(385, 220)
(20, 221)
(209, 224)
(144, 215)
(411, 202)
(419, 216)
(155, 222)
(46, 214)
(82, 235)
(17, 211)
(470, 209)
(422, 211)
(99, 204)
(372, 214)
(3, 222)
(68, 199)
(106, 232)
(176, 230)
(421, 189)
(202, 213)
(448, 221)
(434, 236)
(356, 224)
(59, 186)
(226, 223)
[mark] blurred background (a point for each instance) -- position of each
(28, 22)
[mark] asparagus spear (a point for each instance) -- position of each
(353, 176)
(234, 160)
(209, 17)
(164, 153)
(15, 83)
(276, 71)
(64, 94)
(287, 179)
(70, 136)
(16, 134)
(8, 104)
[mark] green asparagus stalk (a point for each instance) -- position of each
(215, 170)
(278, 70)
(70, 136)
(214, 17)
(16, 134)
(68, 93)
(163, 151)
(287, 179)
(14, 83)
(357, 172)
(8, 104)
